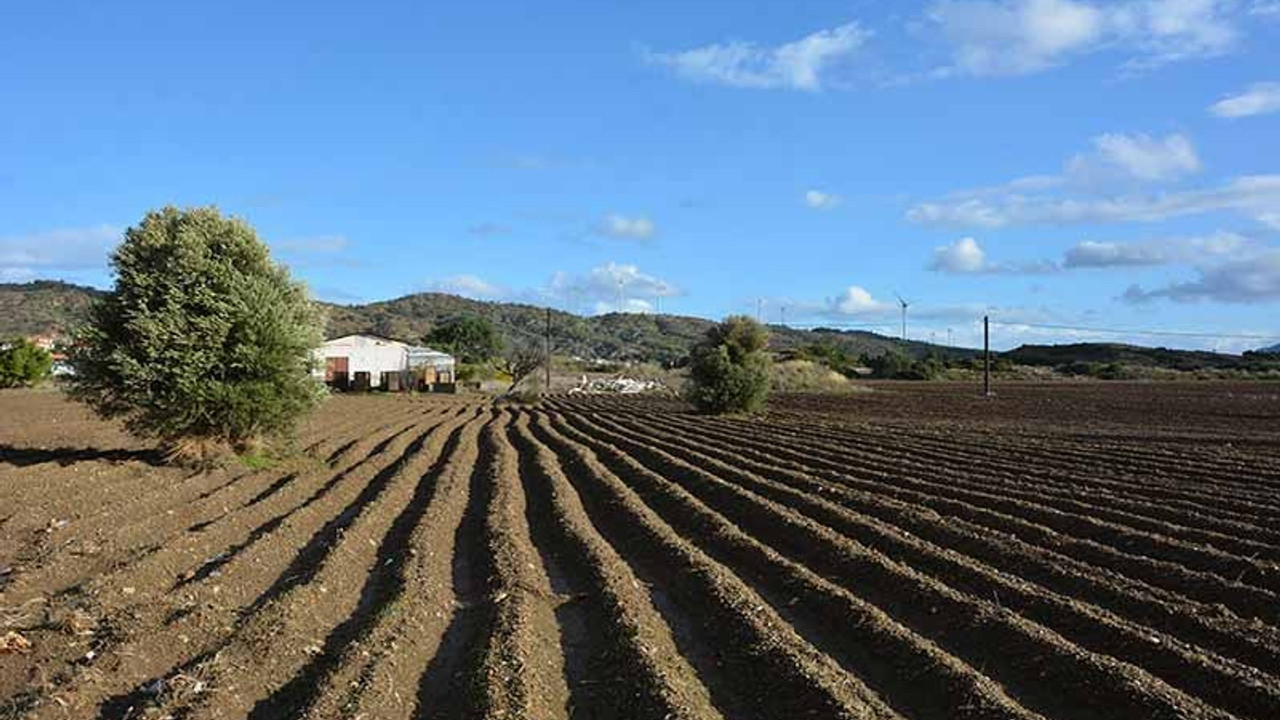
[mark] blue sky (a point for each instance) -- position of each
(1051, 162)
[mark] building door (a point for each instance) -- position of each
(336, 372)
(335, 365)
(362, 382)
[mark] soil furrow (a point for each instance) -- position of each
(749, 638)
(1143, 604)
(1009, 516)
(203, 613)
(1237, 688)
(621, 660)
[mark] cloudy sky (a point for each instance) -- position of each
(1055, 163)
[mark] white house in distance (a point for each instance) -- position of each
(364, 362)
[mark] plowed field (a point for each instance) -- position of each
(1098, 551)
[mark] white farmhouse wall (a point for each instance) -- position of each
(366, 353)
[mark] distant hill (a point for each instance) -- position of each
(1274, 350)
(45, 306)
(1056, 355)
(48, 305)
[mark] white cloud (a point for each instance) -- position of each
(797, 65)
(962, 256)
(1137, 156)
(857, 301)
(629, 305)
(604, 286)
(17, 275)
(1260, 99)
(1257, 196)
(620, 227)
(1150, 253)
(1012, 38)
(1016, 37)
(1173, 30)
(25, 257)
(599, 289)
(819, 200)
(1116, 159)
(469, 286)
(966, 257)
(1252, 280)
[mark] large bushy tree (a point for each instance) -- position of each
(23, 363)
(204, 341)
(471, 338)
(729, 368)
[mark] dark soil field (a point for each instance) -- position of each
(1058, 551)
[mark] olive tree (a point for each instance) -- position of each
(471, 337)
(729, 368)
(204, 342)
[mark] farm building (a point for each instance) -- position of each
(366, 362)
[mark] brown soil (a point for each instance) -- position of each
(1057, 551)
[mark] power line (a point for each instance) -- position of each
(835, 325)
(1152, 333)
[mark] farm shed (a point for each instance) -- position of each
(432, 366)
(365, 362)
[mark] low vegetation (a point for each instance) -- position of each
(808, 376)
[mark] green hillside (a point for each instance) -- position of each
(42, 306)
(1134, 355)
(53, 306)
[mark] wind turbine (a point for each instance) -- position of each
(904, 305)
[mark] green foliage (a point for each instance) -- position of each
(23, 364)
(470, 338)
(895, 365)
(729, 369)
(257, 460)
(204, 339)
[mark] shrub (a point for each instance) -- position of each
(23, 363)
(808, 376)
(896, 365)
(204, 341)
(729, 369)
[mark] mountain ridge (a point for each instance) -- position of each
(55, 306)
(52, 305)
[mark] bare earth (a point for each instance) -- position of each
(1058, 551)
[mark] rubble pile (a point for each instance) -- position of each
(619, 385)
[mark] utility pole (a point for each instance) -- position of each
(784, 316)
(619, 296)
(760, 310)
(547, 389)
(949, 343)
(986, 356)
